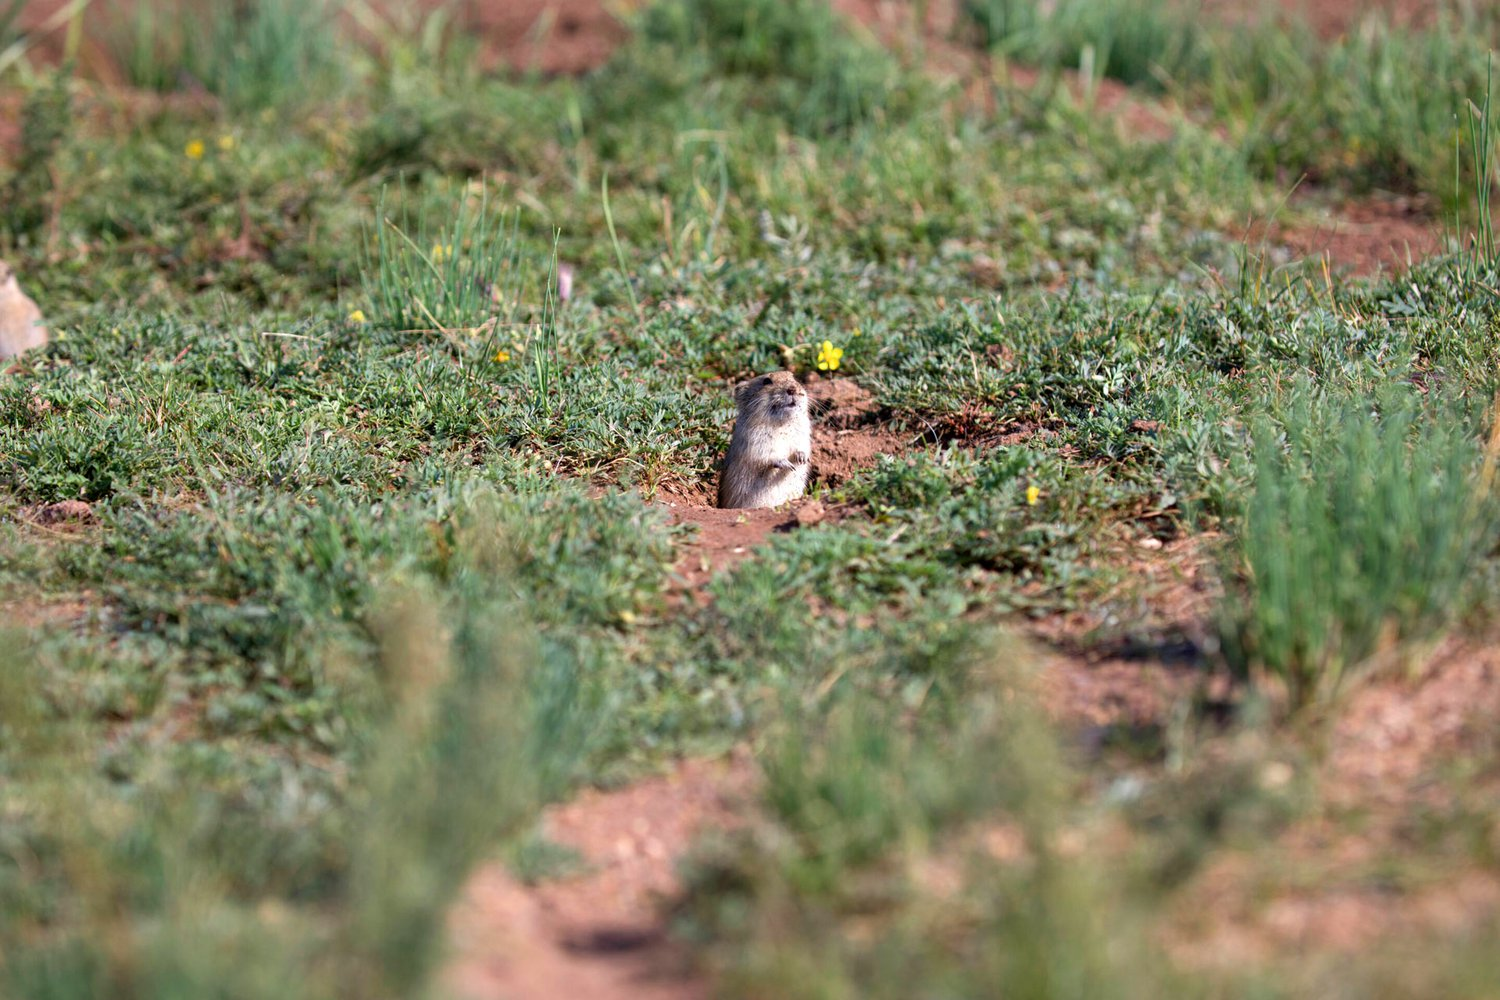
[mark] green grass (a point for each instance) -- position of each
(1379, 106)
(1363, 532)
(455, 743)
(802, 61)
(260, 55)
(376, 573)
(455, 276)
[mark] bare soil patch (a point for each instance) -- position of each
(552, 37)
(847, 434)
(1391, 736)
(600, 934)
(722, 539)
(1330, 18)
(1130, 658)
(1383, 233)
(1389, 771)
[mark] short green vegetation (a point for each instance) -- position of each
(373, 367)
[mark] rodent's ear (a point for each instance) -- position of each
(742, 391)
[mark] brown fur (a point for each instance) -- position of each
(771, 447)
(21, 326)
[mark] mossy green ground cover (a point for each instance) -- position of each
(376, 572)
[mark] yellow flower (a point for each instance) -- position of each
(439, 251)
(193, 150)
(226, 142)
(828, 357)
(357, 316)
(502, 356)
(1031, 495)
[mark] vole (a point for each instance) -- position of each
(771, 445)
(21, 326)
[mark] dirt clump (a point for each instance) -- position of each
(839, 402)
(65, 512)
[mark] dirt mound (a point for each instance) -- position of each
(847, 436)
(839, 453)
(722, 539)
(839, 402)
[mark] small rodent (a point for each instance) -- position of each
(771, 446)
(21, 326)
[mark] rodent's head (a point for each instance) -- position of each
(775, 396)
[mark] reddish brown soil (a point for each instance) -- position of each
(722, 539)
(1331, 18)
(1390, 738)
(1131, 657)
(1387, 773)
(548, 36)
(1382, 233)
(847, 435)
(599, 934)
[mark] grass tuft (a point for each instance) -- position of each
(456, 273)
(800, 55)
(1361, 533)
(262, 55)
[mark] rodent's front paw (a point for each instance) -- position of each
(799, 458)
(783, 465)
